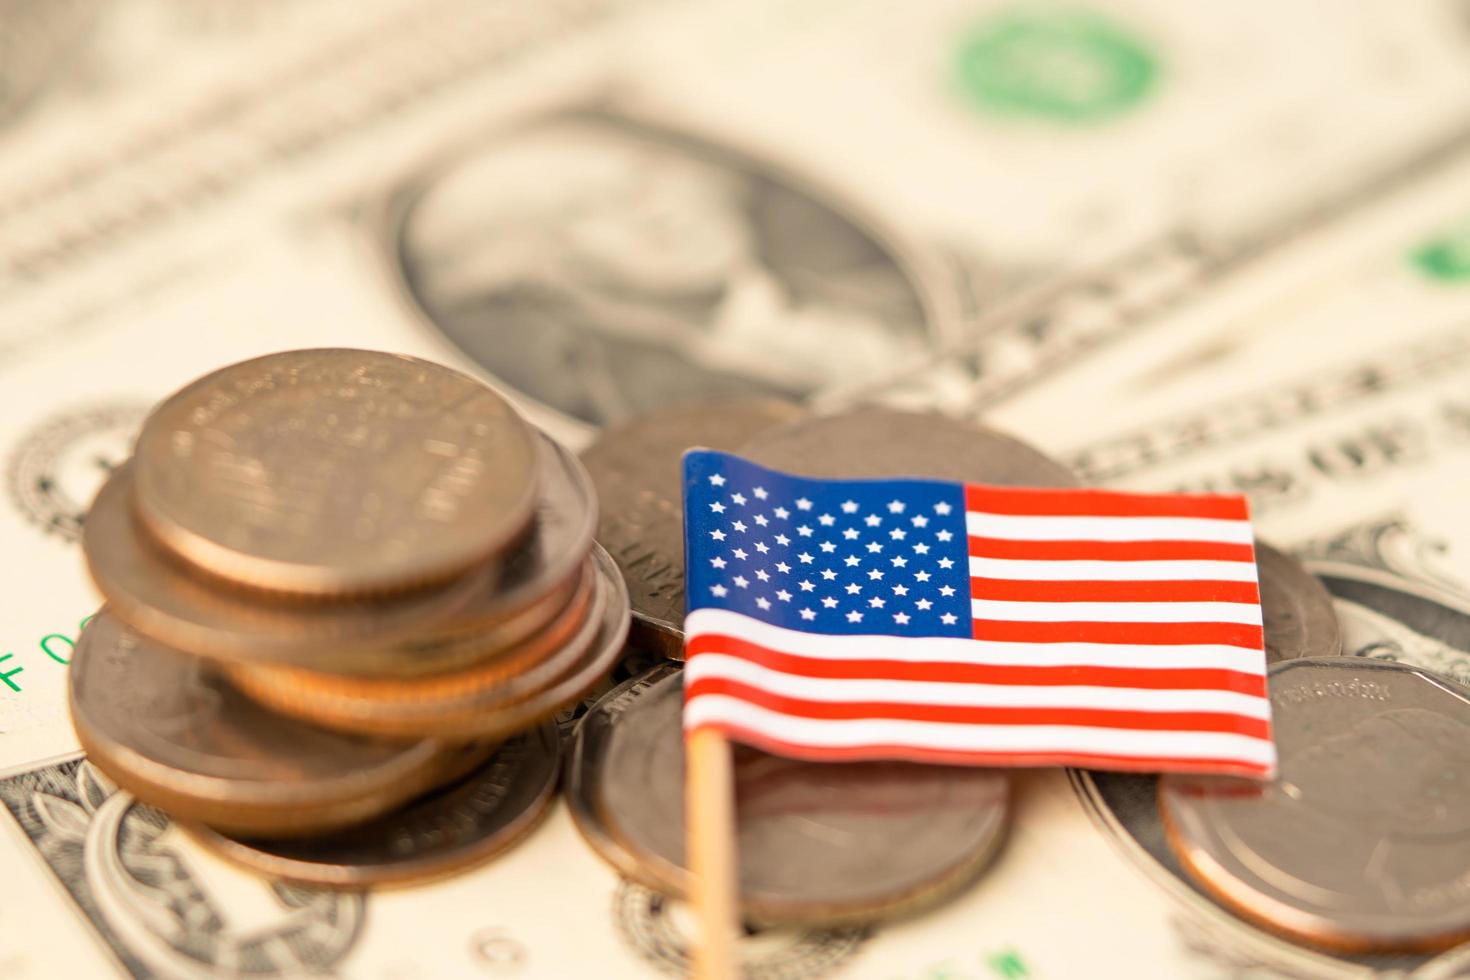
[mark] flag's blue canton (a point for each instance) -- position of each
(826, 556)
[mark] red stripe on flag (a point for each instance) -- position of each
(1102, 503)
(1228, 634)
(958, 757)
(1057, 590)
(1130, 719)
(1143, 678)
(1109, 550)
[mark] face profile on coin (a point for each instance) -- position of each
(399, 634)
(1362, 843)
(884, 442)
(448, 829)
(637, 468)
(1296, 610)
(819, 843)
(169, 728)
(335, 472)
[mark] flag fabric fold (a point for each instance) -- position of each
(942, 622)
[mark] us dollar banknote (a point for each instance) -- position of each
(934, 200)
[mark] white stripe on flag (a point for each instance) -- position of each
(968, 694)
(1117, 612)
(1058, 739)
(963, 650)
(1113, 571)
(1031, 528)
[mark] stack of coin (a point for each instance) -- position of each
(346, 591)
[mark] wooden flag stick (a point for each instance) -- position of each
(709, 808)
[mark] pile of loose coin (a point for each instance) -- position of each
(1321, 854)
(346, 593)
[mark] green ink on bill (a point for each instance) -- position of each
(1070, 66)
(6, 675)
(57, 639)
(1445, 257)
(1008, 964)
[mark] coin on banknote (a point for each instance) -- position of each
(448, 829)
(331, 472)
(496, 604)
(489, 699)
(1297, 612)
(637, 469)
(171, 730)
(1362, 842)
(882, 442)
(478, 703)
(819, 843)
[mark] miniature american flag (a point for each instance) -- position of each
(958, 623)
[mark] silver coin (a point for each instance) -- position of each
(332, 472)
(448, 829)
(882, 442)
(1296, 611)
(1362, 842)
(404, 634)
(171, 730)
(819, 843)
(637, 469)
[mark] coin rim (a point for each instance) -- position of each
(497, 664)
(355, 877)
(481, 717)
(1319, 594)
(444, 704)
(256, 805)
(660, 633)
(279, 577)
(1283, 919)
(592, 817)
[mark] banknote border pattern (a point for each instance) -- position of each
(101, 845)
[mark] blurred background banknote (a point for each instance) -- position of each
(1183, 246)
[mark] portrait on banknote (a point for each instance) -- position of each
(604, 267)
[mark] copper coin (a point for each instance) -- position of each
(585, 675)
(403, 634)
(1362, 842)
(1296, 611)
(446, 830)
(335, 472)
(819, 843)
(637, 469)
(515, 665)
(881, 442)
(170, 729)
(458, 704)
